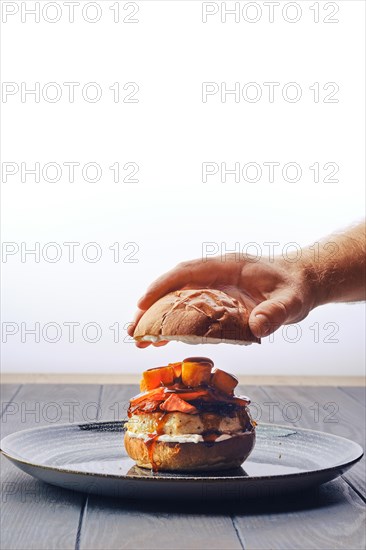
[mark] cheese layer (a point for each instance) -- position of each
(177, 423)
(184, 438)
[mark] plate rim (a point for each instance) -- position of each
(172, 479)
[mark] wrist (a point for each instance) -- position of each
(312, 283)
(304, 278)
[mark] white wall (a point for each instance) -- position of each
(169, 133)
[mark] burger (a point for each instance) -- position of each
(187, 418)
(202, 316)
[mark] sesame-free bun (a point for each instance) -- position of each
(204, 316)
(201, 456)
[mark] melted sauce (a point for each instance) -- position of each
(152, 440)
(198, 360)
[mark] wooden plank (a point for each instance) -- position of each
(7, 391)
(259, 407)
(36, 515)
(357, 392)
(325, 409)
(115, 400)
(158, 525)
(151, 525)
(37, 405)
(311, 523)
(329, 410)
(331, 517)
(154, 525)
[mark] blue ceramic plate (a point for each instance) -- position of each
(91, 458)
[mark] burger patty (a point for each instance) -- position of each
(177, 423)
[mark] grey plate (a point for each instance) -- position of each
(91, 458)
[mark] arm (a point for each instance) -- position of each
(279, 290)
(336, 273)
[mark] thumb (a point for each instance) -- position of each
(268, 316)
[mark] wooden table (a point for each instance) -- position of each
(37, 515)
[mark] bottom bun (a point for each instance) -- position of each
(161, 455)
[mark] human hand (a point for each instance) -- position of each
(275, 292)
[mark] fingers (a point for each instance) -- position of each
(155, 344)
(175, 279)
(269, 315)
(153, 293)
(193, 274)
(142, 345)
(131, 329)
(162, 343)
(172, 280)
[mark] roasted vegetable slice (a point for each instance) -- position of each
(176, 403)
(192, 395)
(224, 381)
(177, 367)
(196, 374)
(153, 378)
(158, 394)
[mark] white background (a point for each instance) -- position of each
(169, 133)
